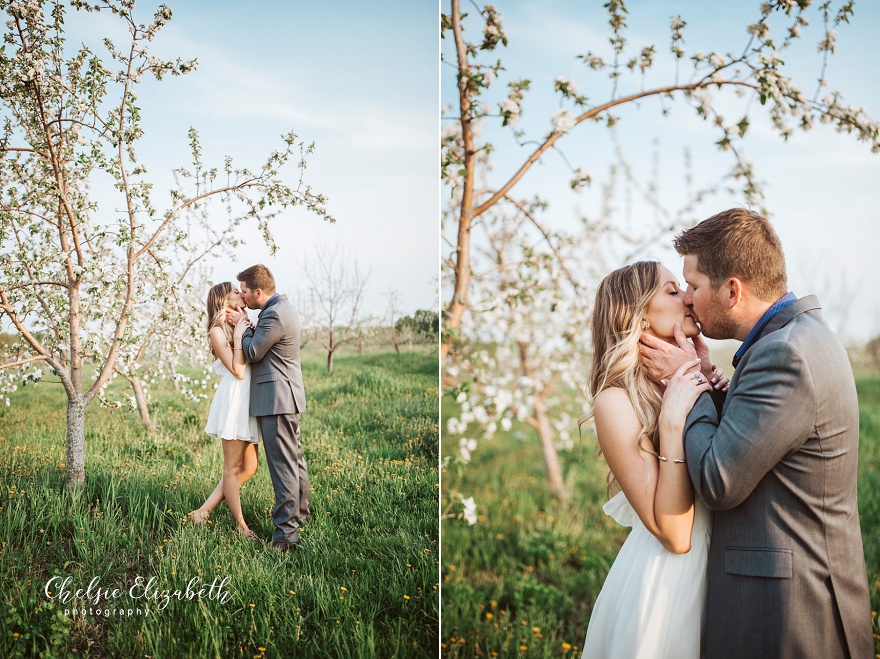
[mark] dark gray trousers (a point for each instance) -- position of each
(290, 478)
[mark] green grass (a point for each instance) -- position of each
(363, 584)
(523, 580)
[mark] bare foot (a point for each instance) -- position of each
(247, 533)
(198, 517)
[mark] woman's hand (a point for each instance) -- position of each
(240, 327)
(682, 391)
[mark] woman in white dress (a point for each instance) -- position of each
(652, 602)
(229, 417)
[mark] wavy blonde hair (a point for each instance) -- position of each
(617, 325)
(217, 297)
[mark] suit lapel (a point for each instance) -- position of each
(270, 304)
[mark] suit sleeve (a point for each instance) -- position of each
(257, 342)
(769, 414)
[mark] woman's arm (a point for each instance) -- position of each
(659, 492)
(681, 393)
(232, 358)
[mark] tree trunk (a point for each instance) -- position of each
(545, 434)
(141, 399)
(76, 444)
(330, 361)
(548, 449)
(360, 345)
(458, 304)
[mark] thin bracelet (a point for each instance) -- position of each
(681, 462)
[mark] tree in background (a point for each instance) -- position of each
(336, 293)
(512, 282)
(76, 279)
(423, 326)
(393, 319)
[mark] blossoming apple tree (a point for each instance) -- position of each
(518, 304)
(84, 285)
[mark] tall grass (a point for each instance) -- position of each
(523, 580)
(364, 582)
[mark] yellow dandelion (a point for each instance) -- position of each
(406, 597)
(566, 646)
(489, 616)
(523, 648)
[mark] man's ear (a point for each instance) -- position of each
(735, 291)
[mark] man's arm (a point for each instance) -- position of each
(258, 341)
(770, 413)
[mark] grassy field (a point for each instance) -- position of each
(523, 580)
(364, 582)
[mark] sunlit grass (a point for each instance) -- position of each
(363, 584)
(527, 574)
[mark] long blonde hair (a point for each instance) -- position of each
(617, 325)
(217, 297)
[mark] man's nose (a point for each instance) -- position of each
(688, 297)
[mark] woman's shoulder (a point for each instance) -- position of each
(216, 335)
(612, 398)
(613, 405)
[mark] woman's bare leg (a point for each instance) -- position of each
(248, 467)
(233, 461)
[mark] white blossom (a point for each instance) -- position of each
(563, 121)
(470, 510)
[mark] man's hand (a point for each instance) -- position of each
(233, 316)
(712, 373)
(661, 360)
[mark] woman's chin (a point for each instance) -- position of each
(690, 328)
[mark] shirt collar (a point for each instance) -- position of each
(753, 336)
(269, 303)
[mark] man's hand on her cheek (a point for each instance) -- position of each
(661, 359)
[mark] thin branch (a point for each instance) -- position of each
(41, 358)
(551, 140)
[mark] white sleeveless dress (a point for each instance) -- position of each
(653, 602)
(229, 416)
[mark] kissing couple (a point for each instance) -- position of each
(260, 399)
(763, 465)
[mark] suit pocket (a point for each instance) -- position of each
(755, 562)
(266, 377)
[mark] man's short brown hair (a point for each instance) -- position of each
(737, 243)
(258, 276)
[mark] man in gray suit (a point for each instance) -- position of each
(278, 399)
(778, 465)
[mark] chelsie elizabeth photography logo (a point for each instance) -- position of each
(97, 600)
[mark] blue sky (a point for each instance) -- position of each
(821, 187)
(358, 79)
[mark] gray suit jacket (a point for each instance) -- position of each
(786, 566)
(272, 349)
